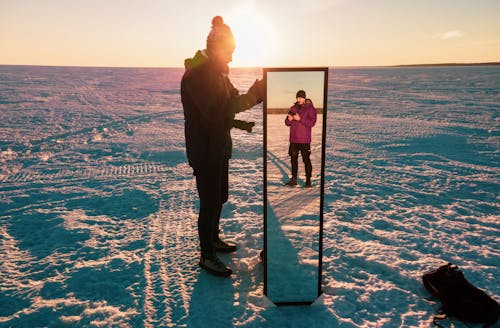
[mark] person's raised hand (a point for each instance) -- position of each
(257, 90)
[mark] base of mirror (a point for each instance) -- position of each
(267, 303)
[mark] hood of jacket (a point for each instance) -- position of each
(201, 57)
(296, 108)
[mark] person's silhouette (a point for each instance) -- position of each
(210, 102)
(301, 118)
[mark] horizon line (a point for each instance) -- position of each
(489, 63)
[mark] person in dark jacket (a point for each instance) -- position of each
(301, 118)
(210, 102)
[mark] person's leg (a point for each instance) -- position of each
(208, 185)
(220, 245)
(293, 151)
(295, 165)
(305, 152)
(224, 195)
(216, 222)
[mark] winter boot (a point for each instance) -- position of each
(223, 247)
(292, 182)
(213, 265)
(308, 183)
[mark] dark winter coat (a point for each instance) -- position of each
(300, 131)
(210, 102)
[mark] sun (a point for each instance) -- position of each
(256, 41)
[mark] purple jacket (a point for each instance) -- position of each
(300, 131)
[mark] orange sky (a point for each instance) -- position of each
(158, 33)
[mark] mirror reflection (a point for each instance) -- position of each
(294, 148)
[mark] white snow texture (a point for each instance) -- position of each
(98, 206)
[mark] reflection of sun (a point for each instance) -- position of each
(256, 43)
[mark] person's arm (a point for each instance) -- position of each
(240, 103)
(309, 120)
(289, 117)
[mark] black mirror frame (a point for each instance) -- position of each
(325, 105)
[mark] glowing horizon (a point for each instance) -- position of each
(332, 33)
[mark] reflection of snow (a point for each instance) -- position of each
(290, 278)
(296, 210)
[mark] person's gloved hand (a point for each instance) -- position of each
(257, 90)
(242, 125)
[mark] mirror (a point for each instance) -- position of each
(294, 136)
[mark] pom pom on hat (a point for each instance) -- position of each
(220, 35)
(217, 21)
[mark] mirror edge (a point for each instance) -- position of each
(266, 70)
(322, 188)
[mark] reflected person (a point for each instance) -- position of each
(301, 118)
(210, 102)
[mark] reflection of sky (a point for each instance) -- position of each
(283, 86)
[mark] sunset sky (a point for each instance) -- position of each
(161, 33)
(282, 88)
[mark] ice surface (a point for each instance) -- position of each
(98, 206)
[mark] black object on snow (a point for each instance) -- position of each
(459, 298)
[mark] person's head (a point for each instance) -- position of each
(301, 97)
(220, 41)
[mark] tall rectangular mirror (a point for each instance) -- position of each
(294, 161)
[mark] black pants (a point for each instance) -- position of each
(213, 186)
(305, 152)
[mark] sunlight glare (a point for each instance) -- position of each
(256, 41)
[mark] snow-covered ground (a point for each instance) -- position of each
(98, 207)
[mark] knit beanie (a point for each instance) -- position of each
(301, 94)
(220, 35)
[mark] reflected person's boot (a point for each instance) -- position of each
(292, 182)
